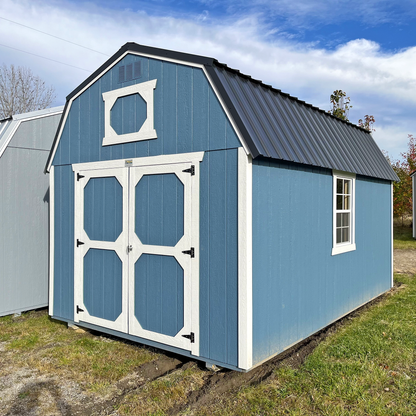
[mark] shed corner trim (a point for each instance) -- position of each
(245, 287)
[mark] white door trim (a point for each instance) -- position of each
(163, 163)
(119, 246)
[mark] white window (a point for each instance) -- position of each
(343, 212)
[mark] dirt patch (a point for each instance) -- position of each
(404, 261)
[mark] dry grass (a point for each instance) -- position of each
(36, 341)
(165, 393)
(368, 367)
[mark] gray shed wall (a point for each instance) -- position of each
(24, 204)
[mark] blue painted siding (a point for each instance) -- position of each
(103, 209)
(219, 257)
(103, 284)
(188, 116)
(298, 286)
(159, 302)
(64, 243)
(218, 254)
(159, 211)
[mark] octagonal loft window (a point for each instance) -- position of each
(128, 114)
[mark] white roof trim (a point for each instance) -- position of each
(146, 55)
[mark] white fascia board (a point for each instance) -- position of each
(39, 113)
(245, 262)
(4, 142)
(230, 118)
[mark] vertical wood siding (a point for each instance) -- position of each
(63, 303)
(219, 257)
(218, 251)
(24, 200)
(298, 286)
(159, 302)
(187, 115)
(188, 118)
(103, 284)
(159, 209)
(24, 203)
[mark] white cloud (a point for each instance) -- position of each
(379, 83)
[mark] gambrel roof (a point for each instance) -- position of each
(271, 123)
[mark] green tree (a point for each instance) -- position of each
(402, 191)
(340, 104)
(341, 107)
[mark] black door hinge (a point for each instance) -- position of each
(79, 243)
(191, 252)
(191, 337)
(79, 176)
(191, 170)
(79, 309)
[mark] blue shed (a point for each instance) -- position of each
(203, 212)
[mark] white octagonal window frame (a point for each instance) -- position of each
(147, 130)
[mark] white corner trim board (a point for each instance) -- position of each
(147, 130)
(245, 287)
(51, 237)
(391, 230)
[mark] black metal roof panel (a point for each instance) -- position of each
(282, 127)
(272, 123)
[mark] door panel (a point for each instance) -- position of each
(103, 283)
(103, 209)
(159, 303)
(136, 226)
(159, 209)
(101, 239)
(160, 273)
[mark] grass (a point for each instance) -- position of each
(368, 367)
(36, 341)
(161, 395)
(403, 235)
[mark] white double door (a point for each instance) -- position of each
(136, 250)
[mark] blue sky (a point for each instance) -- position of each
(307, 48)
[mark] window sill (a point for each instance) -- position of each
(343, 249)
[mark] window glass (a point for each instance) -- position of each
(343, 210)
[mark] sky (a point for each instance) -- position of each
(307, 48)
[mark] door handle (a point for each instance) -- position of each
(129, 248)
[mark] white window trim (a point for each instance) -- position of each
(147, 130)
(343, 247)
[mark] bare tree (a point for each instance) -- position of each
(21, 91)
